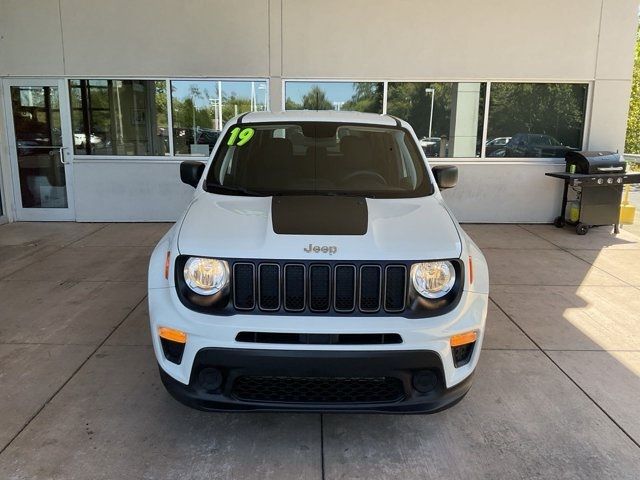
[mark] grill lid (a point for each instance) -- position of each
(595, 162)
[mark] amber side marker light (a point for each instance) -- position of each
(172, 334)
(167, 264)
(463, 339)
(470, 270)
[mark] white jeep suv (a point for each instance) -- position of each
(317, 268)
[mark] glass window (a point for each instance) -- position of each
(320, 159)
(119, 117)
(535, 119)
(447, 117)
(200, 109)
(38, 137)
(354, 96)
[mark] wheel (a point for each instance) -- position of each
(582, 229)
(559, 222)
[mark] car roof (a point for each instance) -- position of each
(319, 116)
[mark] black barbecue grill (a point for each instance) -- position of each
(593, 184)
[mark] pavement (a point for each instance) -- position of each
(555, 395)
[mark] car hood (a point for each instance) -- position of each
(243, 227)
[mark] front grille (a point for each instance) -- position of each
(325, 390)
(315, 288)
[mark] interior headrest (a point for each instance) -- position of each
(278, 149)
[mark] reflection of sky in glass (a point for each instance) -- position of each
(336, 91)
(209, 89)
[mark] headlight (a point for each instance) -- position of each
(206, 276)
(433, 279)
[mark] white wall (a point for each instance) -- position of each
(457, 40)
(437, 39)
(510, 192)
(117, 191)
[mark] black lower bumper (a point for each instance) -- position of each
(316, 381)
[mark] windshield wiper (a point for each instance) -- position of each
(212, 187)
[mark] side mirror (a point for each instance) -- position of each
(446, 176)
(190, 172)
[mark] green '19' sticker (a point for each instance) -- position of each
(241, 135)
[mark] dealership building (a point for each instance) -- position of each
(101, 101)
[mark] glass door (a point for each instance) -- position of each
(39, 141)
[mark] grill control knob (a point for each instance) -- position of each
(600, 181)
(609, 181)
(619, 180)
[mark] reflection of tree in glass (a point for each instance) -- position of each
(289, 104)
(316, 99)
(555, 109)
(411, 102)
(367, 97)
(186, 113)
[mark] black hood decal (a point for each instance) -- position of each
(319, 215)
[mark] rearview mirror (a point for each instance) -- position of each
(446, 176)
(190, 172)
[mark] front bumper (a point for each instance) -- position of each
(211, 331)
(317, 380)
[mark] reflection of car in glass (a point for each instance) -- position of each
(317, 268)
(80, 139)
(495, 147)
(535, 145)
(184, 137)
(431, 146)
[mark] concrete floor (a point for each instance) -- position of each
(555, 396)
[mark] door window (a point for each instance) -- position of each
(38, 140)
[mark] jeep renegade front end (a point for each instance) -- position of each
(317, 268)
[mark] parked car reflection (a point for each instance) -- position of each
(433, 146)
(183, 138)
(495, 147)
(535, 145)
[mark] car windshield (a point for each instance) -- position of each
(318, 158)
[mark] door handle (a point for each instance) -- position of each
(61, 150)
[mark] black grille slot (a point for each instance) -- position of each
(395, 288)
(269, 286)
(345, 288)
(336, 390)
(294, 287)
(320, 338)
(319, 287)
(370, 282)
(243, 286)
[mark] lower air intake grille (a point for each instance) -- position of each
(320, 338)
(324, 390)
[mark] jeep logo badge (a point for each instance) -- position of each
(330, 249)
